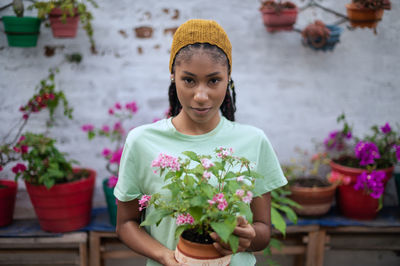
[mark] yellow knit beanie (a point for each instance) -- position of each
(200, 31)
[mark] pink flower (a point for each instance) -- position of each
(22, 138)
(24, 149)
(144, 202)
(87, 127)
(18, 168)
(116, 156)
(225, 152)
(397, 147)
(166, 161)
(117, 106)
(112, 181)
(184, 219)
(207, 163)
(25, 116)
(118, 128)
(1, 168)
(240, 178)
(248, 197)
(111, 111)
(106, 152)
(240, 192)
(222, 204)
(131, 107)
(211, 202)
(16, 149)
(105, 129)
(206, 175)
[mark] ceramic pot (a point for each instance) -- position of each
(196, 254)
(355, 203)
(21, 32)
(111, 202)
(63, 28)
(315, 201)
(284, 20)
(7, 201)
(363, 17)
(64, 207)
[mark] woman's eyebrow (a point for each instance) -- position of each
(209, 75)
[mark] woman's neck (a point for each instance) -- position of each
(185, 125)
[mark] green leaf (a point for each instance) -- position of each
(245, 210)
(196, 212)
(169, 175)
(179, 230)
(229, 175)
(291, 215)
(278, 221)
(224, 229)
(193, 156)
(233, 243)
(155, 217)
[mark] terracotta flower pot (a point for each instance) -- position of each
(355, 203)
(7, 201)
(363, 17)
(316, 201)
(199, 254)
(63, 28)
(64, 207)
(279, 21)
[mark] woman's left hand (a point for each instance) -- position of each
(243, 230)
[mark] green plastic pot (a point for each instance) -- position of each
(111, 202)
(21, 31)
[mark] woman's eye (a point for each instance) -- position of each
(214, 80)
(188, 80)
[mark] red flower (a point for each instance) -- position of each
(18, 168)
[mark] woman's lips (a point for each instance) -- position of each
(201, 111)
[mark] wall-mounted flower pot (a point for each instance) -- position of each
(279, 21)
(363, 17)
(8, 192)
(111, 202)
(21, 31)
(353, 203)
(63, 28)
(328, 44)
(192, 253)
(64, 207)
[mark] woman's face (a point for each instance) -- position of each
(201, 83)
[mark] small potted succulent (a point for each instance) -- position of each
(366, 13)
(319, 36)
(116, 133)
(64, 16)
(278, 15)
(365, 164)
(22, 31)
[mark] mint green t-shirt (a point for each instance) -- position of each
(144, 143)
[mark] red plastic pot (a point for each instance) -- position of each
(63, 28)
(64, 207)
(7, 201)
(355, 203)
(284, 20)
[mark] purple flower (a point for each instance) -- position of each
(330, 141)
(116, 156)
(372, 183)
(87, 127)
(386, 128)
(367, 152)
(397, 147)
(112, 181)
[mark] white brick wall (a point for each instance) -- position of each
(292, 92)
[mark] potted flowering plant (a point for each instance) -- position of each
(365, 164)
(64, 16)
(278, 15)
(11, 148)
(366, 13)
(22, 31)
(309, 185)
(319, 36)
(116, 133)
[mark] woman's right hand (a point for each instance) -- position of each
(169, 259)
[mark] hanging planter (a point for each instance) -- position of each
(21, 31)
(8, 192)
(366, 14)
(278, 16)
(63, 24)
(111, 201)
(197, 254)
(64, 207)
(354, 203)
(322, 37)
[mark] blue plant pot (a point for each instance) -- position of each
(331, 42)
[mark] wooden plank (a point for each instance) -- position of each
(362, 229)
(71, 238)
(94, 246)
(83, 258)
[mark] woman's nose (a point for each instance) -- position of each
(200, 94)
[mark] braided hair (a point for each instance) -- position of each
(228, 106)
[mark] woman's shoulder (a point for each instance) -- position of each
(244, 129)
(146, 130)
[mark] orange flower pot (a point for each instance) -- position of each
(197, 254)
(363, 17)
(63, 28)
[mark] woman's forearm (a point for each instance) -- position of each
(262, 238)
(137, 239)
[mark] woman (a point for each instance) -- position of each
(200, 90)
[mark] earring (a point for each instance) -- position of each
(172, 80)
